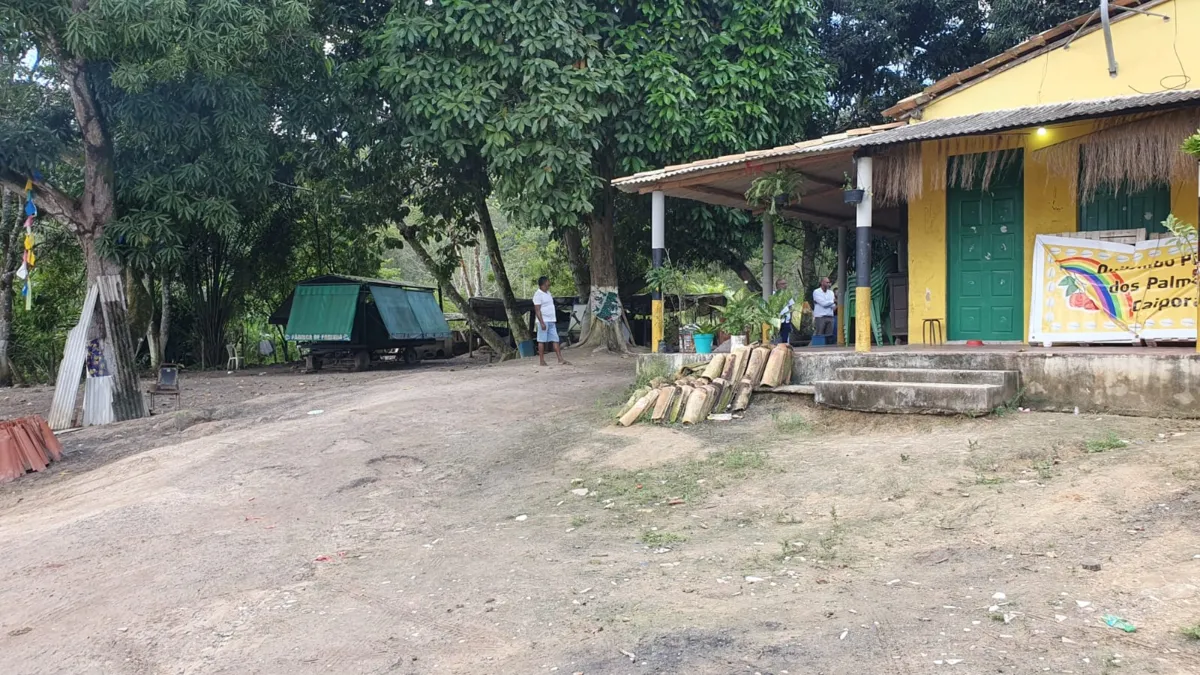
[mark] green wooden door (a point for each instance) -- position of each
(985, 283)
(1123, 209)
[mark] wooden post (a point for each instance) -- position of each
(658, 244)
(862, 258)
(841, 286)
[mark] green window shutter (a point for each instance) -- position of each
(323, 313)
(1123, 209)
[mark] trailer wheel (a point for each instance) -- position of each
(312, 363)
(362, 360)
(410, 356)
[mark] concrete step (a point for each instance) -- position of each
(911, 397)
(1010, 379)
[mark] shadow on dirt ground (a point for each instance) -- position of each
(493, 519)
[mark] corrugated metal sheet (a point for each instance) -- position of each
(323, 313)
(949, 127)
(98, 401)
(410, 314)
(66, 386)
(1033, 116)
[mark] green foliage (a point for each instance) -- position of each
(1109, 441)
(1191, 145)
(769, 189)
(38, 335)
(745, 312)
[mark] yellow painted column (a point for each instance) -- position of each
(862, 319)
(656, 323)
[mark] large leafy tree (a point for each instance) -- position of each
(499, 97)
(155, 87)
(702, 78)
(884, 50)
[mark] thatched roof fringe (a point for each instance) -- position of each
(1136, 153)
(898, 175)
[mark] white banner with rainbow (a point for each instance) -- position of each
(1096, 291)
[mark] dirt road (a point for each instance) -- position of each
(491, 520)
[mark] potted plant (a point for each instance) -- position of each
(743, 312)
(850, 194)
(702, 337)
(774, 190)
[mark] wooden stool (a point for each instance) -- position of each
(931, 332)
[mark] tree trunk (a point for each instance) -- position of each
(516, 325)
(572, 240)
(164, 319)
(605, 328)
(744, 273)
(8, 226)
(466, 275)
(6, 316)
(478, 323)
(151, 326)
(478, 271)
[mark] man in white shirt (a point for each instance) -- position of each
(824, 310)
(543, 309)
(785, 314)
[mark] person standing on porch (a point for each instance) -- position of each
(543, 309)
(785, 314)
(824, 309)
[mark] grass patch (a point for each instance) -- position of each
(981, 479)
(1192, 631)
(832, 537)
(1044, 469)
(1109, 441)
(580, 521)
(661, 538)
(1010, 406)
(688, 481)
(790, 423)
(650, 370)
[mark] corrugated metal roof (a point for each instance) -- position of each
(949, 127)
(846, 139)
(1018, 118)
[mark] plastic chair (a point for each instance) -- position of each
(166, 385)
(235, 362)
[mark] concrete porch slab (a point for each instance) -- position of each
(910, 397)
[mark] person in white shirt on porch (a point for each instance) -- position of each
(824, 310)
(785, 314)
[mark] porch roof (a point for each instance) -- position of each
(724, 180)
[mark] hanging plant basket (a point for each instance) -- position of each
(853, 196)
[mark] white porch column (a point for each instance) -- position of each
(658, 245)
(862, 258)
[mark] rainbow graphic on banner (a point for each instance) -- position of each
(1117, 305)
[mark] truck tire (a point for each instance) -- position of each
(362, 360)
(312, 363)
(411, 357)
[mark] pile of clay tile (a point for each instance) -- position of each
(26, 444)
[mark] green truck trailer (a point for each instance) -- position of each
(340, 319)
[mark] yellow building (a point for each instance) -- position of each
(1076, 130)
